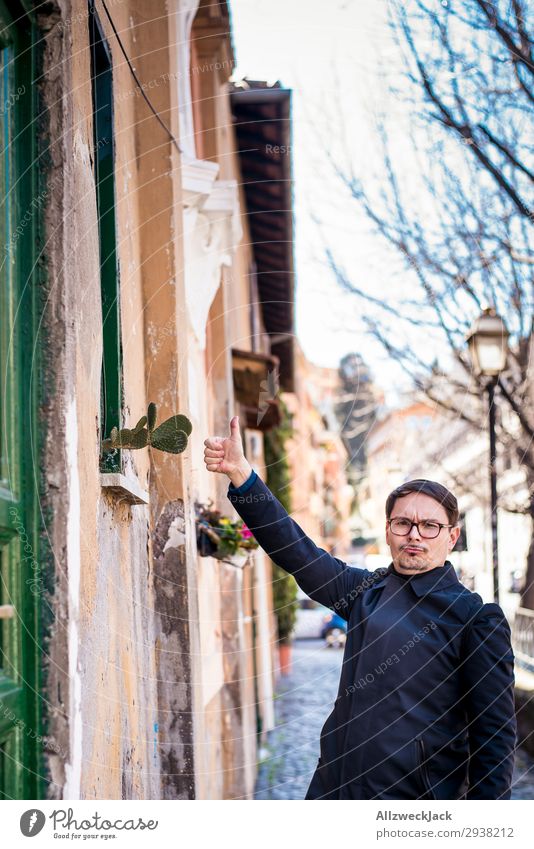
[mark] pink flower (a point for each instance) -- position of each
(245, 533)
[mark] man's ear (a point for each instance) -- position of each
(453, 536)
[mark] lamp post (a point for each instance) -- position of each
(488, 348)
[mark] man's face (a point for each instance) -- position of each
(413, 553)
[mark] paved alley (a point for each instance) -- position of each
(303, 701)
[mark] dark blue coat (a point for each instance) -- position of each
(425, 707)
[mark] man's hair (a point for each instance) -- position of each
(433, 489)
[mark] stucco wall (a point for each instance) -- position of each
(148, 651)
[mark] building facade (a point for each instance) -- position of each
(322, 497)
(135, 271)
(419, 441)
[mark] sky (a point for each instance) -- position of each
(331, 56)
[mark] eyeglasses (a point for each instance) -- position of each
(426, 529)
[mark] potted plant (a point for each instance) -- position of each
(169, 436)
(285, 607)
(220, 537)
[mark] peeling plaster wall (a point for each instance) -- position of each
(74, 768)
(217, 249)
(101, 646)
(55, 390)
(235, 693)
(175, 619)
(167, 380)
(117, 661)
(150, 660)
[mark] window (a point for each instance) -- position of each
(104, 168)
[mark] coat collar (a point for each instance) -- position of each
(431, 581)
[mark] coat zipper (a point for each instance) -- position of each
(423, 767)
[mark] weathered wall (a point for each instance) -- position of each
(54, 336)
(103, 706)
(178, 658)
(102, 644)
(218, 249)
(150, 685)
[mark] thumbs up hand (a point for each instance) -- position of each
(225, 454)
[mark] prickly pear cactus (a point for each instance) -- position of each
(152, 413)
(170, 436)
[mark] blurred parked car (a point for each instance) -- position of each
(334, 630)
(310, 619)
(314, 621)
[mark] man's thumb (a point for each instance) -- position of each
(234, 426)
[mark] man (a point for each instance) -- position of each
(425, 707)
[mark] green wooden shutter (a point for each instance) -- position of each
(104, 166)
(19, 566)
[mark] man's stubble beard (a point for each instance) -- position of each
(413, 563)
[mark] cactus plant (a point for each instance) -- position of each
(152, 413)
(170, 436)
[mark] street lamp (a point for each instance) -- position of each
(488, 348)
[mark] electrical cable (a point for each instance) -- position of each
(138, 82)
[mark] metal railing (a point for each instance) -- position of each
(523, 638)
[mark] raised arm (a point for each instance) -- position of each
(324, 578)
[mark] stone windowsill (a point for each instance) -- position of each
(123, 488)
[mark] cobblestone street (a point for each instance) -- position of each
(303, 701)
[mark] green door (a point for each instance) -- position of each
(19, 570)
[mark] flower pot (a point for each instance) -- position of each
(206, 547)
(284, 655)
(218, 537)
(239, 559)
